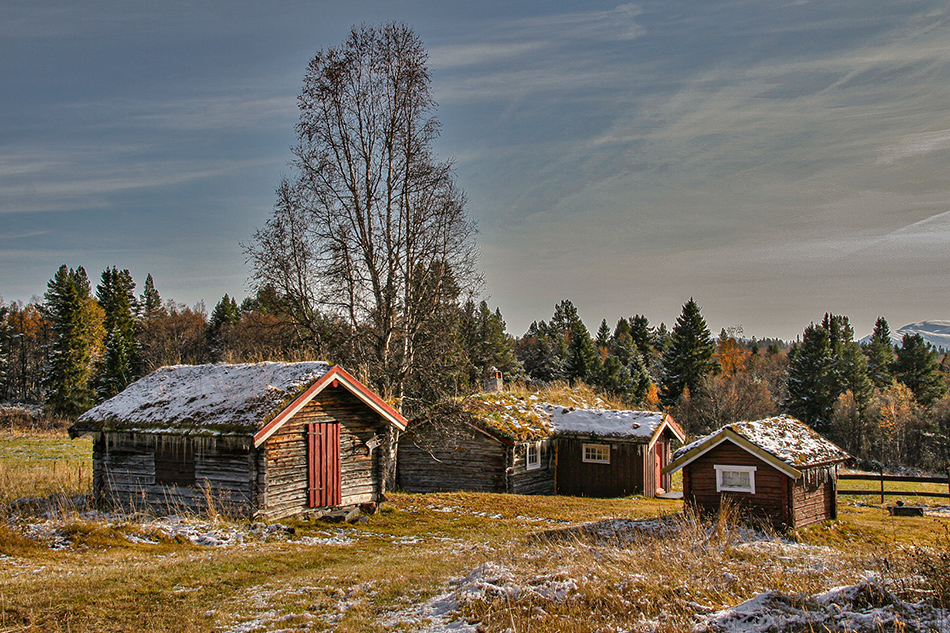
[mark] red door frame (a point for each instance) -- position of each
(323, 465)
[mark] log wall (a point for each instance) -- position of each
(770, 502)
(814, 496)
(623, 476)
(124, 473)
(437, 457)
(539, 481)
(283, 479)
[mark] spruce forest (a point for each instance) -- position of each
(885, 404)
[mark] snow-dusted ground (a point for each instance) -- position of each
(870, 605)
(865, 607)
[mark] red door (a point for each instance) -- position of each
(658, 466)
(323, 464)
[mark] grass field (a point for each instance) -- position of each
(41, 463)
(507, 562)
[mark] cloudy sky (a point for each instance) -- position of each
(774, 160)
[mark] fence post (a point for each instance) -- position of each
(882, 485)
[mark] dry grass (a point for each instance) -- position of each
(42, 463)
(540, 564)
(908, 491)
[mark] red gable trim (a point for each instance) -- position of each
(337, 376)
(668, 423)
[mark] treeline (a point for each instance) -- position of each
(82, 344)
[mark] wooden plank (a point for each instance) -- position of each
(908, 479)
(896, 493)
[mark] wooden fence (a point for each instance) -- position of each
(881, 478)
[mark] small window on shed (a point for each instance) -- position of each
(735, 479)
(175, 463)
(597, 453)
(533, 455)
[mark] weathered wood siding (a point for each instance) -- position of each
(284, 472)
(770, 501)
(436, 457)
(539, 481)
(124, 469)
(621, 477)
(814, 496)
(657, 457)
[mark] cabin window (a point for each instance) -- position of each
(735, 479)
(175, 463)
(597, 453)
(533, 455)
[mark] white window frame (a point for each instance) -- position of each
(535, 449)
(595, 450)
(720, 469)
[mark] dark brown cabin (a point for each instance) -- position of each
(262, 440)
(777, 470)
(508, 443)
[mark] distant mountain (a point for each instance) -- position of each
(937, 333)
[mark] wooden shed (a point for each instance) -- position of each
(263, 440)
(613, 453)
(517, 444)
(777, 470)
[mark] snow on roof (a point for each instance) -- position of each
(605, 422)
(525, 417)
(785, 437)
(220, 398)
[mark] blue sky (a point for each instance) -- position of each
(773, 160)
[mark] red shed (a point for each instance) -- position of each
(778, 470)
(264, 440)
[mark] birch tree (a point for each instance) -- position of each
(370, 228)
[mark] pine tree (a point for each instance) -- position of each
(225, 313)
(537, 354)
(810, 371)
(621, 343)
(916, 367)
(121, 362)
(488, 343)
(849, 370)
(150, 302)
(603, 339)
(689, 356)
(639, 380)
(70, 355)
(642, 336)
(582, 362)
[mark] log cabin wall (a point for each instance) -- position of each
(621, 477)
(537, 481)
(190, 473)
(438, 457)
(814, 496)
(770, 501)
(284, 455)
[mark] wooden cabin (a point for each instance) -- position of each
(476, 446)
(610, 453)
(261, 440)
(777, 470)
(508, 443)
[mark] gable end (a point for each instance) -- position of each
(726, 435)
(337, 376)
